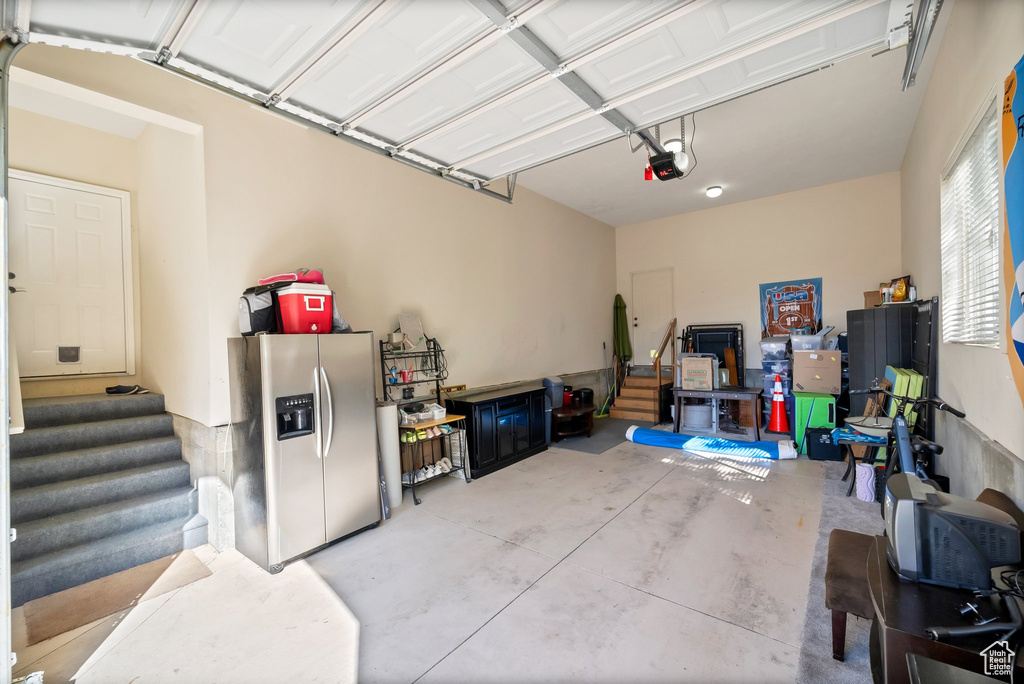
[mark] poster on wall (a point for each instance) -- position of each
(1013, 254)
(794, 305)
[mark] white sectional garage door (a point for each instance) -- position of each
(478, 89)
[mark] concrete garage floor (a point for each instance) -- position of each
(239, 624)
(639, 564)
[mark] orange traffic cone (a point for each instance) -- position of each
(778, 424)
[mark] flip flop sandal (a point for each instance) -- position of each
(127, 389)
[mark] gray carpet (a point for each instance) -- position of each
(98, 486)
(816, 663)
(607, 432)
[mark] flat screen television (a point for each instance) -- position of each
(943, 539)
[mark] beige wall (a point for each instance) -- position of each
(174, 276)
(512, 291)
(982, 42)
(846, 233)
(57, 148)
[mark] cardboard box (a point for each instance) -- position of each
(697, 373)
(817, 371)
(872, 298)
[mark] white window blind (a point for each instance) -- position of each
(969, 239)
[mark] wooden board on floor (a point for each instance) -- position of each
(66, 610)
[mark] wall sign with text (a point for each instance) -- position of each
(791, 306)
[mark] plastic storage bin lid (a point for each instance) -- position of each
(774, 342)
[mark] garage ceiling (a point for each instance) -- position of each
(842, 123)
(476, 90)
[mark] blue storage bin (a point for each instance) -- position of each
(775, 367)
(774, 348)
(769, 386)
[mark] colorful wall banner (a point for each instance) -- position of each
(1013, 238)
(791, 305)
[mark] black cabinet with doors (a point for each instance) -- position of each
(503, 425)
(898, 335)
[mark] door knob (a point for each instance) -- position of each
(13, 289)
(11, 276)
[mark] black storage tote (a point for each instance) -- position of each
(820, 446)
(257, 311)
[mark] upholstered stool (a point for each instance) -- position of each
(846, 583)
(846, 571)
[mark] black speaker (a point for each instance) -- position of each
(664, 166)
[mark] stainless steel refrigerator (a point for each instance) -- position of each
(304, 439)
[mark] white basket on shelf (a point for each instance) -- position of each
(436, 411)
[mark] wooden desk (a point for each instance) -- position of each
(747, 397)
(568, 420)
(903, 610)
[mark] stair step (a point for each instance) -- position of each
(70, 567)
(633, 403)
(636, 381)
(63, 497)
(634, 414)
(648, 370)
(88, 408)
(47, 535)
(50, 440)
(640, 393)
(71, 465)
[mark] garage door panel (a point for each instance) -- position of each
(540, 107)
(571, 28)
(135, 24)
(715, 29)
(592, 131)
(501, 67)
(681, 97)
(404, 42)
(261, 41)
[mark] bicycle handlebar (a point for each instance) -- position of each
(943, 406)
(934, 401)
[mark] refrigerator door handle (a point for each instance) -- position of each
(330, 412)
(317, 422)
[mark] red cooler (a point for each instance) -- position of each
(305, 308)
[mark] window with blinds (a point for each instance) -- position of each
(969, 239)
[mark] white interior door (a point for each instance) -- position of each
(651, 312)
(70, 256)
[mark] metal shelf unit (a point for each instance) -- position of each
(427, 366)
(452, 445)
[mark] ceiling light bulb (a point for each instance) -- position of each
(674, 145)
(714, 191)
(682, 160)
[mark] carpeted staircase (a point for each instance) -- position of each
(98, 485)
